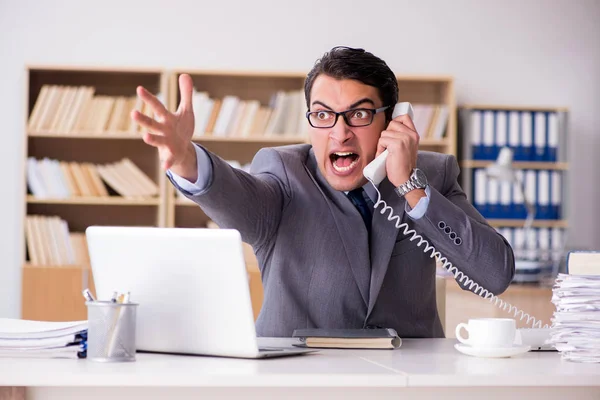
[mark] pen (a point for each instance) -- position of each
(88, 295)
(117, 322)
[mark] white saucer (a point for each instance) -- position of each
(497, 352)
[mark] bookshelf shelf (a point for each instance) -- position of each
(267, 140)
(87, 135)
(537, 223)
(557, 166)
(511, 108)
(108, 201)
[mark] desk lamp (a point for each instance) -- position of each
(503, 170)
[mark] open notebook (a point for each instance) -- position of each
(26, 338)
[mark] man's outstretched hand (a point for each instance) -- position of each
(171, 132)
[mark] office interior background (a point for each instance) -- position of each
(524, 53)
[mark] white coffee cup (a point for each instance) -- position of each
(488, 332)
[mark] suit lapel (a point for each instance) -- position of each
(383, 238)
(350, 226)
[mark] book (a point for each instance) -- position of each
(583, 263)
(384, 338)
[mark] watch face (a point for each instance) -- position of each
(420, 178)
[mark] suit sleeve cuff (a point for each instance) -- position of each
(204, 174)
(421, 207)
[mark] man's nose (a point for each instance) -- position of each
(340, 131)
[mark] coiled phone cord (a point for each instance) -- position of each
(458, 275)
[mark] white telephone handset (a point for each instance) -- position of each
(375, 171)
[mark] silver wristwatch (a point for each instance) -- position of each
(417, 180)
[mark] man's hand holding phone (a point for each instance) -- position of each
(402, 143)
(171, 132)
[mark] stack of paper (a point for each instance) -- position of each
(24, 338)
(576, 321)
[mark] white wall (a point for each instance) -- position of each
(534, 52)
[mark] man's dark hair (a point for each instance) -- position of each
(348, 63)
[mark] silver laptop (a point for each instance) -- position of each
(191, 284)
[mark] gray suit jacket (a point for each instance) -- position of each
(318, 268)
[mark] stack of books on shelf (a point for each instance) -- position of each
(234, 117)
(576, 321)
(41, 339)
(127, 179)
(49, 178)
(430, 120)
(77, 109)
(49, 242)
(285, 115)
(533, 135)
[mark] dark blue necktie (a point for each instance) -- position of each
(357, 196)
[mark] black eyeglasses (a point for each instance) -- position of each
(355, 117)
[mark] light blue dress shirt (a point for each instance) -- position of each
(205, 172)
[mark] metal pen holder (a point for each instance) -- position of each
(111, 331)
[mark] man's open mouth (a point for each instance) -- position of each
(343, 161)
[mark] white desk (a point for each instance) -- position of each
(423, 368)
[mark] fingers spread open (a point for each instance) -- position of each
(148, 123)
(155, 140)
(157, 107)
(186, 89)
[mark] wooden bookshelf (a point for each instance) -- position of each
(101, 144)
(53, 291)
(261, 86)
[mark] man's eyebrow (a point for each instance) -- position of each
(365, 100)
(316, 102)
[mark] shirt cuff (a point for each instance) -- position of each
(421, 207)
(204, 174)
